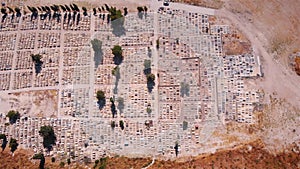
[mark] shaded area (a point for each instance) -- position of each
(121, 105)
(150, 82)
(36, 58)
(116, 73)
(184, 89)
(117, 51)
(113, 107)
(49, 137)
(13, 144)
(117, 21)
(4, 141)
(13, 116)
(100, 95)
(98, 53)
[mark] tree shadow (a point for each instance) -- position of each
(98, 53)
(101, 104)
(118, 27)
(118, 60)
(147, 71)
(150, 86)
(38, 67)
(113, 109)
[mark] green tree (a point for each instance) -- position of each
(112, 124)
(41, 157)
(145, 9)
(150, 81)
(62, 164)
(117, 23)
(18, 11)
(176, 147)
(125, 11)
(53, 159)
(149, 110)
(3, 11)
(13, 116)
(103, 163)
(150, 78)
(157, 43)
(100, 95)
(140, 9)
(36, 58)
(69, 161)
(13, 144)
(121, 123)
(118, 54)
(4, 141)
(113, 107)
(49, 137)
(115, 14)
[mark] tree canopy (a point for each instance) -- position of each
(13, 144)
(117, 52)
(150, 78)
(36, 58)
(13, 116)
(121, 123)
(41, 157)
(4, 141)
(115, 14)
(49, 137)
(100, 95)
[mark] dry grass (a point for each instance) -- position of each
(252, 155)
(279, 21)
